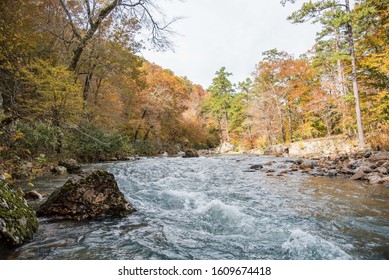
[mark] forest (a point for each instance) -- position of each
(73, 84)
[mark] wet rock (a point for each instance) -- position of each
(60, 170)
(32, 195)
(18, 222)
(191, 153)
(256, 166)
(298, 161)
(270, 163)
(71, 165)
(90, 195)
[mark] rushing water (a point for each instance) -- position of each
(210, 208)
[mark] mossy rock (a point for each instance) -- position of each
(93, 194)
(18, 222)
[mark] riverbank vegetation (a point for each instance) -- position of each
(74, 85)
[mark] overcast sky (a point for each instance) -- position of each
(230, 33)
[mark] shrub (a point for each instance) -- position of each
(89, 143)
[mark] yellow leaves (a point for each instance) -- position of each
(54, 92)
(17, 135)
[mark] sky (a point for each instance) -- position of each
(230, 33)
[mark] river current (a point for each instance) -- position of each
(212, 208)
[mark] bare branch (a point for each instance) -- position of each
(74, 29)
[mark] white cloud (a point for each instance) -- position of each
(230, 33)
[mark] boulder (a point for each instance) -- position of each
(71, 165)
(92, 194)
(18, 222)
(191, 153)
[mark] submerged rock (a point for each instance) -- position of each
(90, 195)
(18, 222)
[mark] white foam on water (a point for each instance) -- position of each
(303, 245)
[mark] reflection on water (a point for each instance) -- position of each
(210, 208)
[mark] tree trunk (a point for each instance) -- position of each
(350, 39)
(340, 83)
(140, 125)
(220, 130)
(227, 127)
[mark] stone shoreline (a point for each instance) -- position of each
(371, 167)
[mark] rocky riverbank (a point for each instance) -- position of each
(371, 167)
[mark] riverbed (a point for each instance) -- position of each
(214, 208)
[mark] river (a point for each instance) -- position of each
(212, 208)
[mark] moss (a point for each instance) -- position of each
(17, 220)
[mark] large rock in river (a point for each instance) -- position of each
(90, 195)
(18, 222)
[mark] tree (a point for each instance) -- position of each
(85, 18)
(342, 17)
(219, 103)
